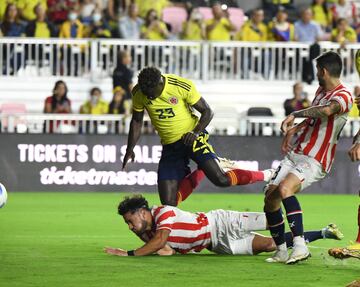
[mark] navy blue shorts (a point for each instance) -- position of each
(175, 157)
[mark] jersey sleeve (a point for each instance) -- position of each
(137, 103)
(193, 96)
(345, 101)
(164, 217)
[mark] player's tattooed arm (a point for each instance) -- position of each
(155, 244)
(206, 116)
(134, 135)
(319, 111)
(166, 251)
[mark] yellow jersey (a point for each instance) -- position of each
(221, 31)
(170, 113)
(250, 32)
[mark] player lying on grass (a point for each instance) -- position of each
(167, 230)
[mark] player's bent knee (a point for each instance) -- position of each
(221, 180)
(285, 190)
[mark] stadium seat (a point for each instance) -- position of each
(11, 109)
(175, 16)
(206, 12)
(236, 17)
(259, 112)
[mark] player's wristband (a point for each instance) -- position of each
(131, 252)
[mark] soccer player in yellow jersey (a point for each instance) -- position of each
(169, 101)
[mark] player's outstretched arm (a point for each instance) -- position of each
(134, 135)
(313, 112)
(206, 116)
(155, 244)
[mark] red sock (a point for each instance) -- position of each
(358, 237)
(242, 177)
(188, 184)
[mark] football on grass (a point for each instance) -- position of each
(3, 195)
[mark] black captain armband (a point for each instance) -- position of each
(131, 252)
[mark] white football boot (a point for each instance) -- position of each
(281, 255)
(300, 251)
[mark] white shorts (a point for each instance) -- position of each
(306, 168)
(231, 231)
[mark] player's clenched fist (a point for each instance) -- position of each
(287, 123)
(128, 155)
(354, 151)
(189, 138)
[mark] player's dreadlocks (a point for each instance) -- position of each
(132, 204)
(148, 79)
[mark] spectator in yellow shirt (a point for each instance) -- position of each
(3, 5)
(280, 29)
(254, 29)
(343, 33)
(220, 27)
(146, 5)
(27, 8)
(194, 28)
(98, 27)
(321, 14)
(95, 105)
(72, 28)
(40, 27)
(153, 28)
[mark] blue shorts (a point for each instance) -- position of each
(175, 157)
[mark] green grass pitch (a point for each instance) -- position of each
(56, 239)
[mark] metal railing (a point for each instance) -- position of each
(202, 60)
(119, 124)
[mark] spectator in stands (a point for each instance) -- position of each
(123, 75)
(40, 27)
(271, 7)
(220, 27)
(280, 29)
(154, 28)
(58, 10)
(298, 102)
(3, 5)
(354, 112)
(72, 28)
(343, 33)
(58, 102)
(11, 26)
(194, 28)
(117, 106)
(254, 29)
(146, 5)
(95, 105)
(321, 14)
(98, 27)
(307, 30)
(130, 25)
(87, 9)
(345, 9)
(27, 8)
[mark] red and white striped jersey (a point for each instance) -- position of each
(320, 136)
(188, 231)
